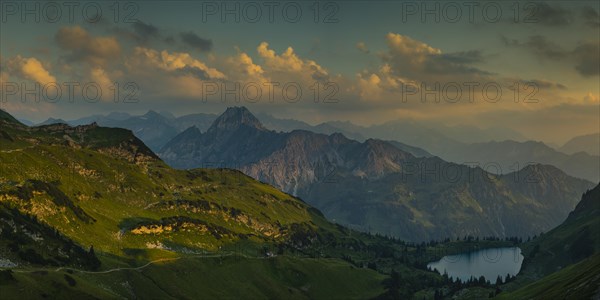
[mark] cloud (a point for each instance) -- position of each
(102, 78)
(289, 66)
(29, 68)
(539, 45)
(590, 17)
(96, 51)
(404, 51)
(552, 15)
(408, 66)
(242, 68)
(543, 84)
(464, 57)
(417, 60)
(140, 33)
(420, 80)
(362, 47)
(196, 42)
(587, 56)
(178, 63)
(144, 31)
(382, 84)
(174, 75)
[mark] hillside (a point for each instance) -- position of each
(104, 187)
(565, 262)
(160, 232)
(577, 281)
(24, 241)
(575, 239)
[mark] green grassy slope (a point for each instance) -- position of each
(102, 187)
(208, 278)
(577, 238)
(578, 281)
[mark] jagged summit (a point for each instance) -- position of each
(234, 118)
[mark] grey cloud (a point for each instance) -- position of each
(139, 32)
(169, 40)
(587, 56)
(542, 46)
(145, 31)
(196, 42)
(198, 73)
(590, 16)
(456, 63)
(552, 15)
(543, 84)
(97, 51)
(437, 64)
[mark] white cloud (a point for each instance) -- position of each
(180, 63)
(30, 68)
(289, 66)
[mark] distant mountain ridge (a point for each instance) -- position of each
(154, 128)
(497, 150)
(589, 143)
(375, 186)
(509, 156)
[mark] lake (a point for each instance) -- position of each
(489, 263)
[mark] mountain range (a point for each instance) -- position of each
(497, 150)
(154, 128)
(377, 187)
(509, 156)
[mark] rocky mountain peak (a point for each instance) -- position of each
(234, 118)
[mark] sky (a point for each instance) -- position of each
(529, 66)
